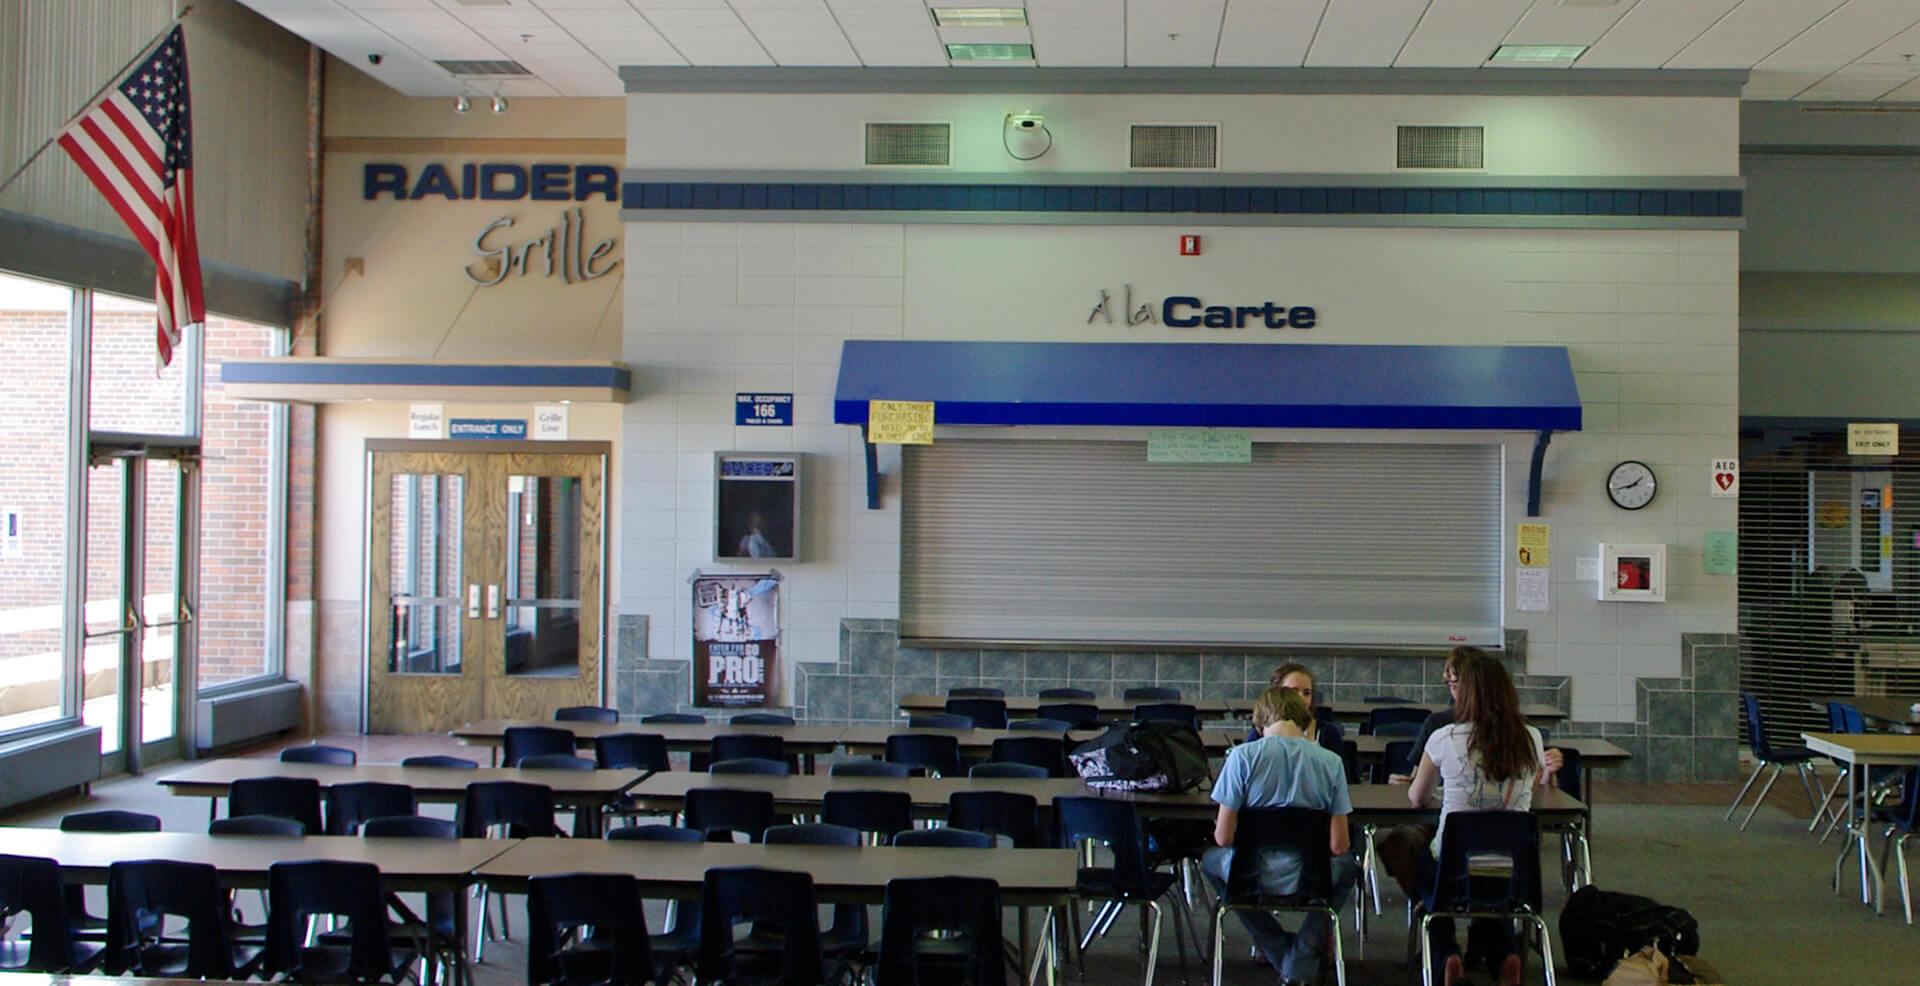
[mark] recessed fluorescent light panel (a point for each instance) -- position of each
(1537, 53)
(980, 16)
(989, 53)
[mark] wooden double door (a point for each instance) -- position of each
(485, 597)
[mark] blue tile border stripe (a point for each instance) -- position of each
(1277, 200)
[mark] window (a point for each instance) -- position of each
(1313, 544)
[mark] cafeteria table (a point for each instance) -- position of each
(841, 874)
(799, 794)
(591, 791)
(1860, 752)
(807, 741)
(1348, 710)
(406, 865)
(1028, 706)
(978, 743)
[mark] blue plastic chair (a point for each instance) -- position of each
(986, 712)
(1461, 891)
(1300, 832)
(1771, 758)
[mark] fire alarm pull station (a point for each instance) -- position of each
(1189, 245)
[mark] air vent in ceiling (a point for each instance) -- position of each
(1442, 147)
(1175, 145)
(910, 143)
(483, 67)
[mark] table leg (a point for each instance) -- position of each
(1044, 955)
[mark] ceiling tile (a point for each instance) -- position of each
(1909, 93)
(892, 56)
(1363, 33)
(1751, 32)
(1549, 22)
(1173, 34)
(1653, 31)
(1848, 33)
(1459, 33)
(1859, 83)
(692, 17)
(1269, 33)
(725, 55)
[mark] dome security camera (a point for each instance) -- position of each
(375, 58)
(1026, 121)
(1026, 136)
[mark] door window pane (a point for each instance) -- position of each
(33, 499)
(160, 601)
(242, 464)
(425, 580)
(130, 393)
(106, 621)
(543, 576)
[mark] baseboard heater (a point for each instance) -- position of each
(240, 717)
(43, 765)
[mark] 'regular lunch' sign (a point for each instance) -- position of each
(736, 627)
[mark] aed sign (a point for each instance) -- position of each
(493, 182)
(1193, 312)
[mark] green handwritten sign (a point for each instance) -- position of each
(1177, 445)
(1722, 553)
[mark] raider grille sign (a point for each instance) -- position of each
(736, 625)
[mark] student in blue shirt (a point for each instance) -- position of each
(1283, 768)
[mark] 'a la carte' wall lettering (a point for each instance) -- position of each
(1186, 312)
(575, 263)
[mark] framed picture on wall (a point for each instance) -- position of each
(756, 505)
(1633, 573)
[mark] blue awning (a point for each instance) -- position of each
(1215, 385)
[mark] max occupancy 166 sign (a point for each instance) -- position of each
(736, 626)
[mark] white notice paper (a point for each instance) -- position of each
(426, 421)
(1587, 569)
(1533, 590)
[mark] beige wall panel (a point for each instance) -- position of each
(249, 115)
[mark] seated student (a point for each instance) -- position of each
(1283, 769)
(1295, 675)
(1456, 659)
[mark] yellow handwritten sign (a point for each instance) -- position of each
(900, 422)
(1531, 544)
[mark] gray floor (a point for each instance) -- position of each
(1762, 897)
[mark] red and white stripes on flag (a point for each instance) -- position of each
(135, 144)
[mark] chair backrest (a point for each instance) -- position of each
(109, 820)
(1467, 841)
(812, 834)
(297, 798)
(315, 753)
(986, 712)
(676, 718)
(1106, 820)
(1066, 693)
(751, 765)
(1386, 715)
(1168, 711)
(1025, 771)
(645, 751)
(555, 761)
(953, 914)
(945, 837)
(409, 827)
(936, 752)
(141, 894)
(869, 768)
(525, 809)
(1569, 775)
(300, 891)
(721, 811)
(438, 760)
(1046, 752)
(655, 833)
(761, 719)
(30, 885)
(976, 691)
(256, 825)
(1400, 757)
(1851, 721)
(1297, 832)
(349, 805)
(1756, 729)
(882, 813)
(1151, 694)
(733, 746)
(1016, 816)
(530, 741)
(1075, 713)
(939, 720)
(586, 713)
(616, 949)
(1040, 725)
(770, 899)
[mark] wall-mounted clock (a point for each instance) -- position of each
(1631, 485)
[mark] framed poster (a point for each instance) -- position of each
(756, 509)
(1633, 573)
(736, 629)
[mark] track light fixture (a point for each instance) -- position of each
(499, 103)
(462, 103)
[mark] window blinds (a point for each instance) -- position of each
(1313, 544)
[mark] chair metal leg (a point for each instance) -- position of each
(1546, 947)
(1762, 799)
(1826, 804)
(1744, 788)
(1152, 931)
(1339, 954)
(1426, 952)
(1219, 943)
(1898, 849)
(1810, 782)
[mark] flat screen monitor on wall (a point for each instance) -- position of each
(757, 506)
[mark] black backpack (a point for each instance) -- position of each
(1157, 755)
(1598, 928)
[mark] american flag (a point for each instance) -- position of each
(136, 145)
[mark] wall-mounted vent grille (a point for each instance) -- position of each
(1174, 145)
(910, 143)
(483, 67)
(1442, 147)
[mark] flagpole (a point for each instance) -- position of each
(111, 79)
